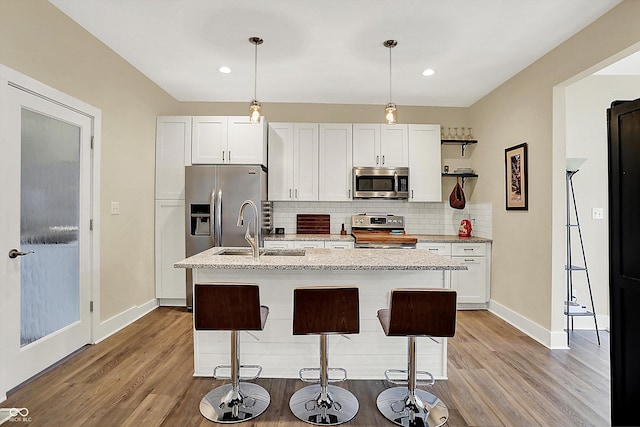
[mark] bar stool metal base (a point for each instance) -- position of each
(395, 404)
(223, 405)
(337, 407)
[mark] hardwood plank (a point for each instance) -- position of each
(142, 375)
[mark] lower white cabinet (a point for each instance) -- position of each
(473, 285)
(169, 248)
(307, 244)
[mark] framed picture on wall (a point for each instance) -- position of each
(517, 180)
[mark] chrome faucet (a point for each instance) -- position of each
(253, 241)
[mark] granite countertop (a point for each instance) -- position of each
(325, 259)
(422, 238)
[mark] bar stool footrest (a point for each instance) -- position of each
(405, 381)
(240, 378)
(317, 380)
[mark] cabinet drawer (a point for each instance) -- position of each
(468, 249)
(338, 245)
(278, 244)
(308, 244)
(437, 248)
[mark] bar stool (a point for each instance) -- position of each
(412, 313)
(231, 307)
(324, 310)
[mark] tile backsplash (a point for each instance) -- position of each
(420, 218)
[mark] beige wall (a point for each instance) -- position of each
(41, 42)
(521, 110)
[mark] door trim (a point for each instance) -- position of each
(10, 77)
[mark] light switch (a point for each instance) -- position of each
(597, 213)
(115, 208)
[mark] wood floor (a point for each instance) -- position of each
(142, 376)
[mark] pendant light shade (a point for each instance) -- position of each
(255, 107)
(391, 111)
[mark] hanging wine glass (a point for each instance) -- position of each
(455, 135)
(470, 136)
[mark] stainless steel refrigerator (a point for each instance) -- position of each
(213, 195)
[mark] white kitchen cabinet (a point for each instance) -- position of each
(173, 153)
(335, 162)
(334, 244)
(278, 244)
(293, 161)
(169, 248)
(228, 140)
(380, 145)
(308, 244)
(472, 285)
(425, 182)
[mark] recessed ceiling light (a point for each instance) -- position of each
(224, 70)
(428, 72)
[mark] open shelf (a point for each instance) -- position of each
(464, 176)
(462, 142)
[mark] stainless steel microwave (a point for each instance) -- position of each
(380, 183)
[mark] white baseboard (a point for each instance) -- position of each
(535, 331)
(119, 321)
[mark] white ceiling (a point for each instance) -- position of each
(330, 51)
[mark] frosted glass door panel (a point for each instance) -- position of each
(49, 217)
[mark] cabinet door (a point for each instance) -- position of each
(173, 147)
(335, 162)
(209, 143)
(305, 161)
(425, 179)
(280, 161)
(246, 142)
(366, 145)
(471, 284)
(394, 146)
(169, 248)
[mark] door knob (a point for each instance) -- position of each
(14, 253)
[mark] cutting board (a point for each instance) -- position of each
(313, 224)
(382, 236)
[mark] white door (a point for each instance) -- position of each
(209, 143)
(280, 180)
(45, 274)
(425, 180)
(394, 146)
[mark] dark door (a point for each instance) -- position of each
(624, 260)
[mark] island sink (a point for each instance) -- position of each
(262, 252)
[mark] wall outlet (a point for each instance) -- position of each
(115, 208)
(597, 213)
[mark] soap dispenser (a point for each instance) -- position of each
(343, 231)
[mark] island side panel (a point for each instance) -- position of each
(365, 355)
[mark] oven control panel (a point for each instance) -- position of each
(394, 222)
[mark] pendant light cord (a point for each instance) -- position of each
(255, 72)
(390, 77)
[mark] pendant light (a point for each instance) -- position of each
(390, 112)
(254, 107)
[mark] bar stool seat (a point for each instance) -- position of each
(412, 313)
(325, 310)
(231, 307)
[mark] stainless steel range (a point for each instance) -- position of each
(381, 231)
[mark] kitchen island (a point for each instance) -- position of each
(365, 355)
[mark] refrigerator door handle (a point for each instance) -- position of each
(212, 216)
(218, 218)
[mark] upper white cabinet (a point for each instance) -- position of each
(228, 140)
(424, 163)
(293, 161)
(335, 161)
(173, 153)
(380, 145)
